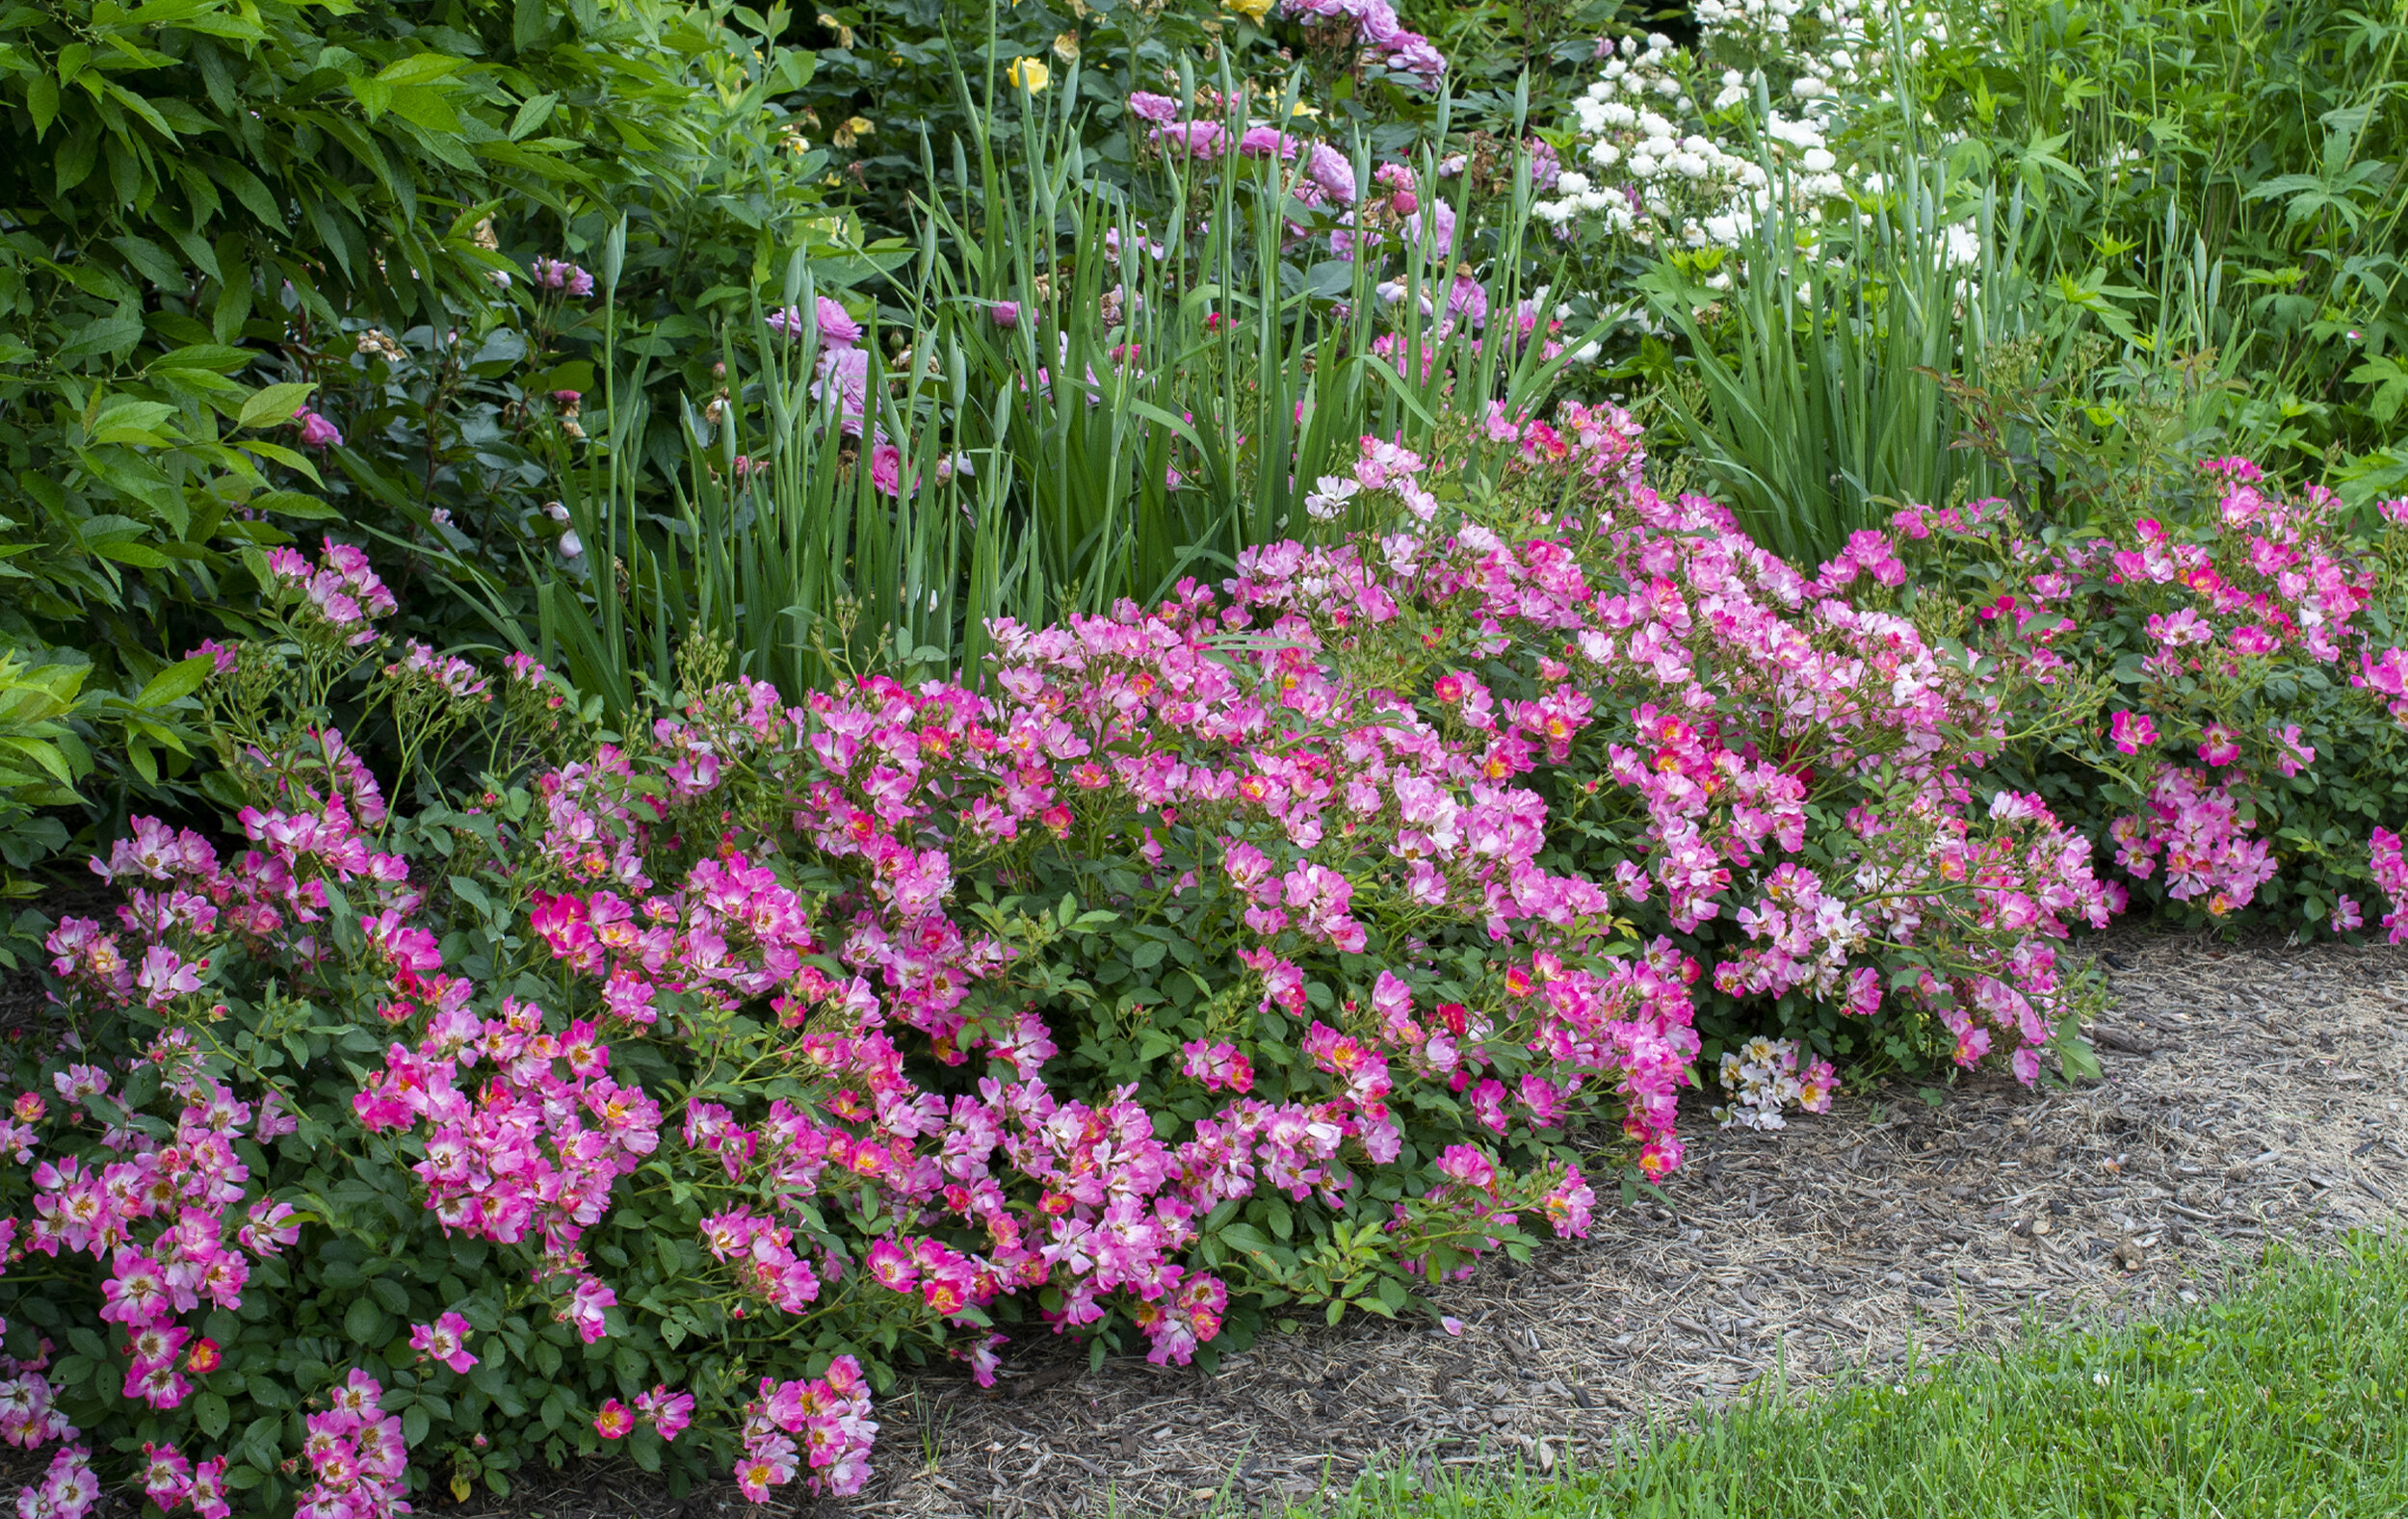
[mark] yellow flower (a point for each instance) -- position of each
(1301, 109)
(1030, 73)
(854, 130)
(1252, 10)
(1066, 46)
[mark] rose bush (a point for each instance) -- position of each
(1293, 942)
(2229, 697)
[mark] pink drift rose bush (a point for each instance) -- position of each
(1293, 943)
(2215, 694)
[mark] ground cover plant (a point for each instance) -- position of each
(2282, 1396)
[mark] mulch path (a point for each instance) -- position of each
(2253, 1093)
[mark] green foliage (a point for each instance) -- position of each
(1217, 377)
(215, 213)
(1818, 402)
(2270, 134)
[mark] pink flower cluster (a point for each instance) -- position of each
(1717, 767)
(1372, 25)
(535, 1152)
(2391, 877)
(174, 1224)
(343, 591)
(559, 275)
(2256, 589)
(356, 1452)
(820, 1425)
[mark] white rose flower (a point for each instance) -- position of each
(1329, 502)
(1818, 160)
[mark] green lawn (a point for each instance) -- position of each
(2288, 1395)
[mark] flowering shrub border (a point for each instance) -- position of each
(1268, 947)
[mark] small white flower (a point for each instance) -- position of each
(1328, 503)
(572, 546)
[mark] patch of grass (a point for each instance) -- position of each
(2288, 1398)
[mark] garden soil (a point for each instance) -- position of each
(2253, 1093)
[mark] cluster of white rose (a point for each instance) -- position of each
(1650, 164)
(1765, 1076)
(1843, 54)
(1638, 168)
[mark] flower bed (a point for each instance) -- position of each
(1277, 944)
